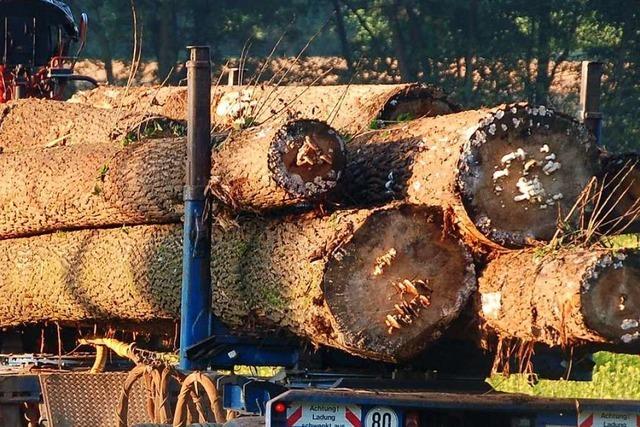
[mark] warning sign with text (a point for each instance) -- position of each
(608, 419)
(323, 415)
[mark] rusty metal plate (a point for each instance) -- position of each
(91, 400)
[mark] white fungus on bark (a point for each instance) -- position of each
(491, 304)
(629, 324)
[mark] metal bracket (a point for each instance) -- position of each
(193, 192)
(200, 237)
(591, 115)
(225, 351)
(590, 91)
(248, 395)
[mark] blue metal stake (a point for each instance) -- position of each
(204, 340)
(195, 312)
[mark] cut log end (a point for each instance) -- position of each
(611, 298)
(521, 167)
(306, 158)
(415, 101)
(397, 284)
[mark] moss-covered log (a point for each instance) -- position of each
(30, 123)
(562, 298)
(381, 284)
(348, 108)
(274, 166)
(506, 172)
(618, 209)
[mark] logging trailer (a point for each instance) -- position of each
(323, 388)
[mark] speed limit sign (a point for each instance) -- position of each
(381, 416)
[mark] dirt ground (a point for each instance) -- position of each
(319, 70)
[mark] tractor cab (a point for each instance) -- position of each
(36, 37)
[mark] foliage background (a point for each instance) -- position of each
(483, 51)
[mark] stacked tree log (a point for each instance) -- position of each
(348, 108)
(91, 186)
(382, 265)
(579, 293)
(43, 123)
(565, 297)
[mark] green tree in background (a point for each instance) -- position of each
(483, 51)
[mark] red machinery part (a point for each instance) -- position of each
(6, 84)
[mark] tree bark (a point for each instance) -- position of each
(329, 280)
(493, 168)
(342, 33)
(200, 14)
(418, 51)
(544, 54)
(100, 185)
(563, 298)
(166, 34)
(399, 44)
(91, 185)
(275, 166)
(348, 109)
(105, 44)
(35, 123)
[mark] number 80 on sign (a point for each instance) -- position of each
(381, 416)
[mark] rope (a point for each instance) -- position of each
(188, 390)
(123, 405)
(190, 404)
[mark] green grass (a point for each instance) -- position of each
(622, 241)
(615, 376)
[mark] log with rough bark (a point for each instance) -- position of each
(562, 298)
(98, 185)
(91, 185)
(505, 172)
(30, 123)
(619, 207)
(277, 165)
(381, 284)
(348, 108)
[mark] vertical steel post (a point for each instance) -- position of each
(195, 313)
(20, 83)
(231, 76)
(590, 113)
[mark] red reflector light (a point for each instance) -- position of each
(412, 419)
(280, 407)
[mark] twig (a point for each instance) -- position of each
(600, 206)
(268, 59)
(286, 73)
(336, 107)
(583, 195)
(277, 113)
(135, 46)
